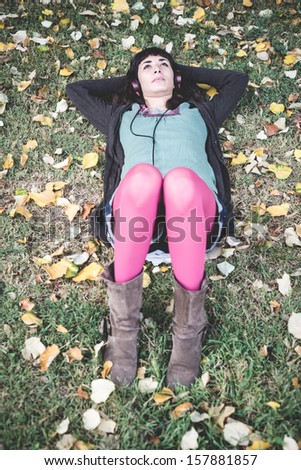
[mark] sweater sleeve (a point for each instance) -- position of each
(91, 97)
(230, 85)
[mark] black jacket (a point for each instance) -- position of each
(93, 99)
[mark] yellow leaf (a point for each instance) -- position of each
(288, 113)
(181, 410)
(240, 159)
(295, 382)
(163, 269)
(59, 251)
(31, 319)
(22, 211)
(31, 144)
(65, 72)
(199, 14)
(261, 47)
(44, 198)
(47, 12)
(241, 53)
(90, 272)
(174, 3)
(94, 43)
(146, 280)
(74, 354)
(247, 3)
(40, 261)
(281, 171)
(273, 404)
(69, 53)
(212, 92)
(297, 154)
(289, 59)
(120, 5)
(259, 445)
(55, 185)
(61, 329)
(57, 270)
(44, 120)
(260, 208)
(8, 162)
(101, 64)
(277, 211)
(71, 211)
(48, 355)
(135, 49)
(106, 369)
(298, 188)
(7, 47)
(90, 160)
(23, 158)
(276, 108)
(65, 22)
(163, 396)
(258, 152)
(81, 445)
(23, 85)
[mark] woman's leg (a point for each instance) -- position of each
(134, 209)
(190, 212)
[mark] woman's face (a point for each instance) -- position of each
(156, 76)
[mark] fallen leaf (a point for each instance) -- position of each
(107, 426)
(90, 272)
(225, 268)
(271, 129)
(295, 382)
(291, 237)
(91, 419)
(147, 385)
(101, 390)
(31, 319)
(74, 354)
(8, 162)
(227, 411)
(57, 270)
(190, 440)
(47, 356)
(205, 378)
(82, 393)
(62, 428)
(23, 85)
(199, 14)
(90, 160)
(181, 410)
(106, 369)
(165, 395)
(278, 211)
(259, 445)
(274, 405)
(81, 445)
(294, 325)
(26, 304)
(263, 351)
(87, 209)
(66, 442)
(236, 433)
(284, 284)
(289, 443)
(146, 280)
(281, 171)
(240, 159)
(71, 210)
(120, 5)
(44, 198)
(197, 417)
(276, 108)
(67, 71)
(63, 165)
(22, 211)
(61, 329)
(33, 348)
(44, 120)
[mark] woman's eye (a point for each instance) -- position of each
(164, 63)
(146, 66)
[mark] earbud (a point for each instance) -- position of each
(178, 80)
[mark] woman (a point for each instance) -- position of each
(163, 162)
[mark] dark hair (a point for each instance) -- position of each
(180, 93)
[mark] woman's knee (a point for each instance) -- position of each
(182, 185)
(142, 182)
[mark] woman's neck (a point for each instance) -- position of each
(156, 103)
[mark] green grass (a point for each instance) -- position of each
(240, 317)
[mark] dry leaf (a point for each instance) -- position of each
(147, 385)
(278, 211)
(26, 304)
(263, 351)
(271, 129)
(240, 159)
(31, 319)
(44, 198)
(87, 209)
(276, 108)
(291, 237)
(23, 85)
(146, 280)
(294, 325)
(44, 120)
(227, 411)
(90, 272)
(71, 210)
(67, 71)
(284, 284)
(57, 270)
(289, 443)
(63, 426)
(120, 5)
(225, 268)
(8, 162)
(22, 211)
(107, 426)
(74, 354)
(63, 165)
(101, 390)
(165, 395)
(259, 445)
(190, 440)
(91, 419)
(82, 393)
(274, 405)
(90, 160)
(236, 433)
(197, 417)
(61, 329)
(66, 442)
(106, 369)
(48, 356)
(199, 14)
(281, 171)
(33, 348)
(181, 410)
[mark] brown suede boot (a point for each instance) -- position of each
(125, 301)
(190, 324)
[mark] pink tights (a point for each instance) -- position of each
(190, 208)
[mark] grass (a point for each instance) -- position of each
(240, 316)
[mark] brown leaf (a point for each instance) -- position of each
(82, 393)
(48, 356)
(26, 304)
(74, 354)
(106, 369)
(87, 209)
(163, 396)
(271, 129)
(180, 410)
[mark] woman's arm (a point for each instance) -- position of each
(230, 85)
(91, 98)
